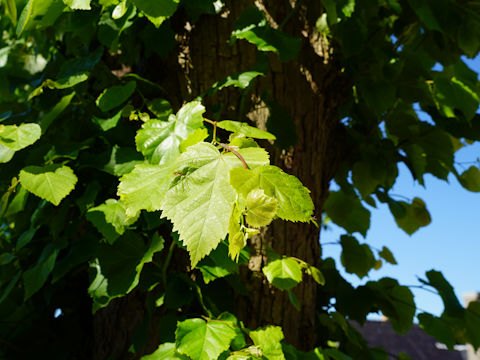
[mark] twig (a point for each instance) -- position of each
(236, 153)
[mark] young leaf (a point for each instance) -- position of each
(202, 340)
(115, 96)
(110, 219)
(294, 202)
(243, 128)
(261, 208)
(144, 187)
(236, 238)
(316, 275)
(269, 340)
(52, 182)
(199, 203)
(159, 140)
(283, 273)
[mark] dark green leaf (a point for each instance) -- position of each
(356, 258)
(115, 96)
(347, 212)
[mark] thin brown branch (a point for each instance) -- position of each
(236, 153)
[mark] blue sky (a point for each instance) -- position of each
(450, 244)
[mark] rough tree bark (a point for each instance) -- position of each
(310, 88)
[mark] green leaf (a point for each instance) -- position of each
(202, 340)
(252, 26)
(11, 11)
(35, 277)
(159, 140)
(261, 208)
(78, 4)
(217, 264)
(157, 8)
(48, 118)
(356, 258)
(472, 320)
(200, 199)
(243, 128)
(115, 96)
(437, 328)
(51, 182)
(269, 340)
(236, 238)
(144, 188)
(110, 218)
(14, 138)
(316, 275)
(25, 17)
(412, 217)
(66, 82)
(283, 273)
(386, 254)
(347, 211)
(395, 302)
(450, 301)
(294, 202)
(110, 123)
(165, 351)
(470, 179)
(197, 136)
(118, 267)
(161, 108)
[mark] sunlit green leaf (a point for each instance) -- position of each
(284, 273)
(51, 182)
(294, 202)
(243, 128)
(203, 340)
(199, 201)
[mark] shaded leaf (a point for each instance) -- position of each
(347, 211)
(35, 277)
(356, 258)
(115, 96)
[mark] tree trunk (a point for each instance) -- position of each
(310, 88)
